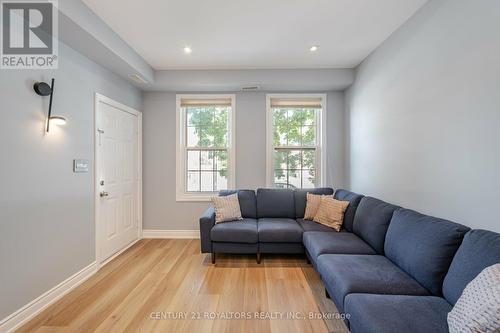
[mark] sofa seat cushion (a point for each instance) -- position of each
(243, 231)
(279, 230)
(318, 243)
(345, 274)
(423, 246)
(314, 226)
(396, 313)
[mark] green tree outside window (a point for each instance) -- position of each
(207, 143)
(294, 141)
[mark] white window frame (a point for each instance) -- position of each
(181, 151)
(320, 137)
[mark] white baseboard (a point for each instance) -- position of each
(150, 233)
(30, 310)
(27, 312)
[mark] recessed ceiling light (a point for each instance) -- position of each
(314, 48)
(187, 50)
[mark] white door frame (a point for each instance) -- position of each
(98, 99)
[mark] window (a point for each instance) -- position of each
(205, 140)
(295, 140)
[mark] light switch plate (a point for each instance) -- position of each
(80, 166)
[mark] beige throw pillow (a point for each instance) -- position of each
(331, 212)
(312, 204)
(227, 208)
(478, 308)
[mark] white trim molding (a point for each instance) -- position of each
(180, 151)
(181, 234)
(321, 136)
(30, 310)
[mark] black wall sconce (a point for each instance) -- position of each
(43, 89)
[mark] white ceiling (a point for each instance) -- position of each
(244, 34)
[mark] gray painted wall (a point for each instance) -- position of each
(47, 211)
(160, 209)
(424, 114)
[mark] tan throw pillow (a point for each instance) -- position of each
(331, 212)
(312, 204)
(227, 208)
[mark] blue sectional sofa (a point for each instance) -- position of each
(273, 223)
(390, 269)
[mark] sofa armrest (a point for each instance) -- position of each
(207, 221)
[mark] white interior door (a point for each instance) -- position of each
(118, 177)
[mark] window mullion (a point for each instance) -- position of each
(288, 168)
(207, 148)
(199, 172)
(214, 172)
(301, 167)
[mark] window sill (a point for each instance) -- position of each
(185, 197)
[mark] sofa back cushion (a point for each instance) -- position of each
(354, 199)
(371, 221)
(423, 246)
(247, 200)
(273, 202)
(301, 200)
(479, 249)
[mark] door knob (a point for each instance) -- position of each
(103, 194)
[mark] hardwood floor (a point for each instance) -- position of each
(155, 283)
